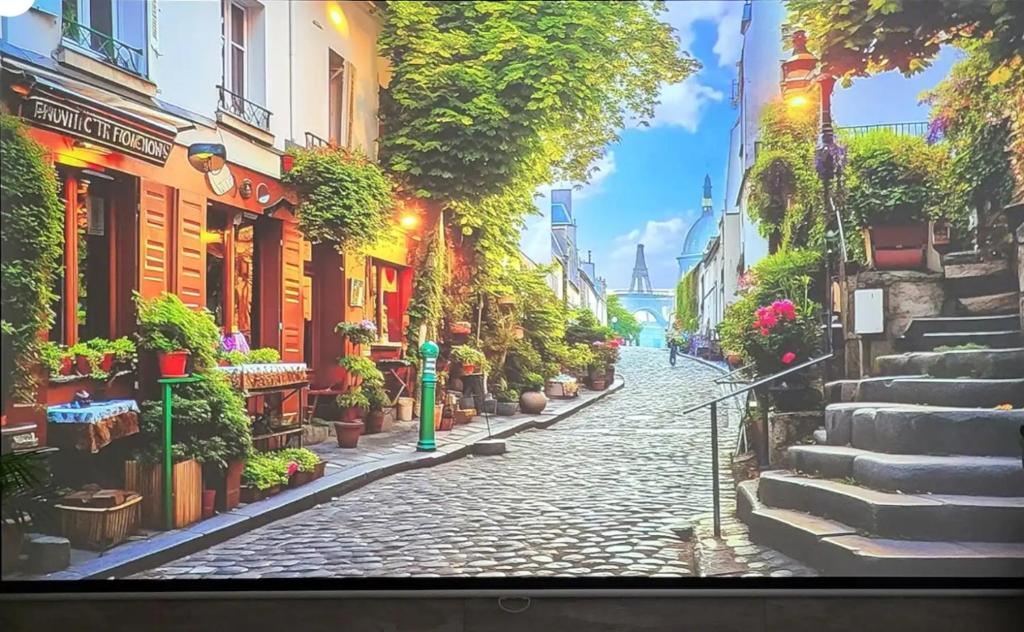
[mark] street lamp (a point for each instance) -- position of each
(800, 73)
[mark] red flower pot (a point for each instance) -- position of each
(172, 363)
(107, 363)
(374, 421)
(468, 369)
(66, 366)
(209, 499)
(347, 433)
(82, 365)
(898, 246)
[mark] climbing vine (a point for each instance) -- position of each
(32, 247)
(686, 302)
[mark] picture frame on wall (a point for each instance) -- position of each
(355, 292)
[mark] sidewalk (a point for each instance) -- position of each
(347, 469)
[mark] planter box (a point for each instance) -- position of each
(99, 528)
(896, 247)
(301, 478)
(187, 492)
(463, 415)
(251, 494)
(561, 390)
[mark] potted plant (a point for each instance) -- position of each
(87, 359)
(532, 401)
(471, 359)
(353, 403)
(358, 369)
(377, 401)
(176, 333)
(263, 476)
(362, 333)
(893, 185)
(56, 359)
(508, 402)
(460, 328)
(309, 465)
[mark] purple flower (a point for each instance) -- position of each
(937, 129)
(829, 159)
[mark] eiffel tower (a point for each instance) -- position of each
(641, 282)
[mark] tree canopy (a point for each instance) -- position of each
(485, 94)
(861, 37)
(622, 322)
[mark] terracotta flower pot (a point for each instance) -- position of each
(82, 365)
(347, 433)
(897, 246)
(446, 423)
(598, 383)
(609, 375)
(354, 413)
(107, 363)
(374, 421)
(209, 501)
(468, 369)
(228, 486)
(532, 402)
(66, 366)
(460, 328)
(173, 363)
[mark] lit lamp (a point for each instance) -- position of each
(408, 221)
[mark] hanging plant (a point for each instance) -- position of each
(32, 247)
(344, 197)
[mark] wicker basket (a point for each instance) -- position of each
(100, 528)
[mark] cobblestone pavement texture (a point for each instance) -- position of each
(596, 494)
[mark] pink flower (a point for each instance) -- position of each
(293, 467)
(764, 332)
(788, 357)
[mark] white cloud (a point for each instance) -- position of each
(725, 15)
(683, 103)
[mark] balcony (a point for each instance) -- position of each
(243, 109)
(105, 47)
(917, 128)
(313, 141)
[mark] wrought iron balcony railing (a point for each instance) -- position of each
(109, 49)
(312, 140)
(239, 106)
(917, 128)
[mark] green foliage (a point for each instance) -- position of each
(31, 248)
(263, 471)
(94, 357)
(892, 178)
(785, 191)
(51, 356)
(861, 37)
(687, 302)
(487, 94)
(358, 333)
(361, 366)
(234, 358)
(344, 197)
(210, 424)
(307, 460)
(583, 326)
(427, 292)
(376, 397)
(979, 110)
(264, 355)
(27, 492)
(469, 355)
(575, 358)
(353, 398)
(167, 324)
(622, 322)
(785, 275)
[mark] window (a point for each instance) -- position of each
(236, 41)
(114, 30)
(336, 99)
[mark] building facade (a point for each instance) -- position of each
(573, 281)
(170, 151)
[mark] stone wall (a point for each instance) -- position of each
(908, 294)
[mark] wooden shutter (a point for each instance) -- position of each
(154, 235)
(190, 254)
(291, 292)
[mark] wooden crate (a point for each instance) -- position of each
(100, 528)
(186, 492)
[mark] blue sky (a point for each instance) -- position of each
(648, 188)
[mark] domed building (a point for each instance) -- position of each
(700, 234)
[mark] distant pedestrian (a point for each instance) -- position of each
(673, 351)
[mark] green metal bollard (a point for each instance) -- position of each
(428, 379)
(168, 383)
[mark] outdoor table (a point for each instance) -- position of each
(93, 427)
(288, 379)
(398, 369)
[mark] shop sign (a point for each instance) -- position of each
(98, 129)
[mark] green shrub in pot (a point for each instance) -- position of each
(166, 324)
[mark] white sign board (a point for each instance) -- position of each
(868, 317)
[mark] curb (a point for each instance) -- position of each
(138, 556)
(705, 362)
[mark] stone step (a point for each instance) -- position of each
(890, 515)
(999, 303)
(964, 269)
(913, 473)
(976, 363)
(970, 431)
(979, 278)
(1004, 339)
(839, 418)
(981, 393)
(936, 324)
(836, 549)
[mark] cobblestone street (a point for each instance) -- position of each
(596, 494)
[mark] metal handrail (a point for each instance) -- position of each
(914, 128)
(725, 379)
(761, 382)
(111, 50)
(251, 113)
(715, 491)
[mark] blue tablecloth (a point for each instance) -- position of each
(93, 413)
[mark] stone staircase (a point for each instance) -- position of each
(915, 471)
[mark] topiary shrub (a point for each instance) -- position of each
(32, 242)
